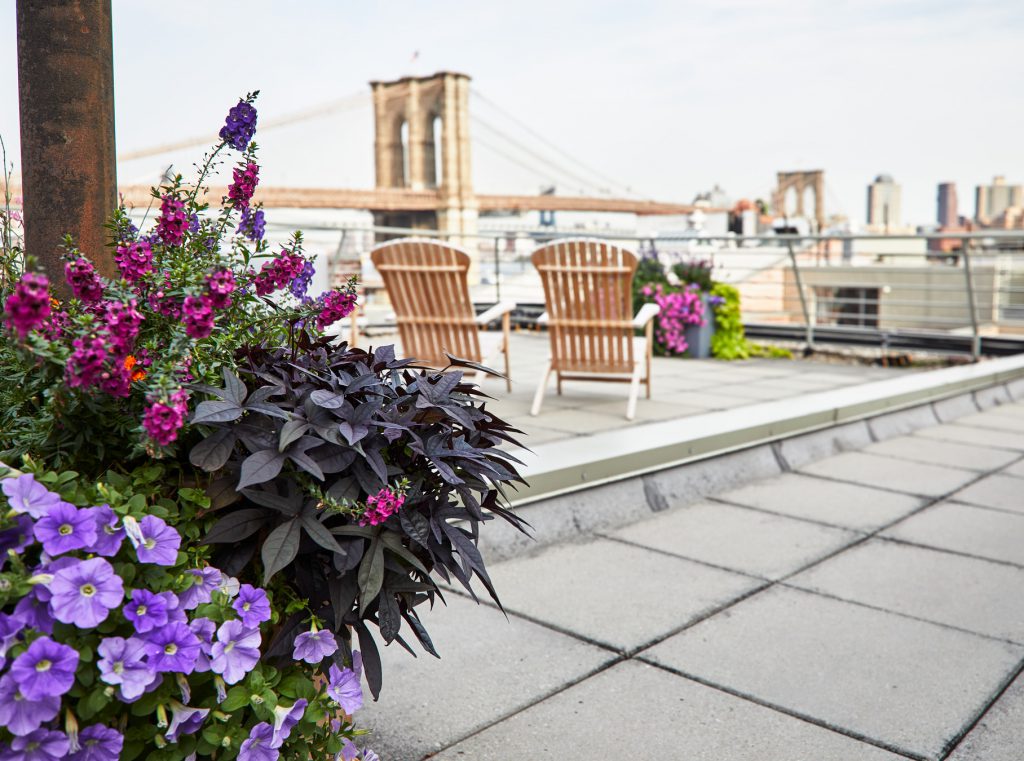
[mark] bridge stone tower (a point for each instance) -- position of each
(422, 144)
(813, 179)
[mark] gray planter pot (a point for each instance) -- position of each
(699, 336)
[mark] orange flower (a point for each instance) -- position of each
(129, 363)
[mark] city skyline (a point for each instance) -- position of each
(666, 99)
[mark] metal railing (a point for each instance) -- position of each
(959, 292)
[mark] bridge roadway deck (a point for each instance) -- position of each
(851, 594)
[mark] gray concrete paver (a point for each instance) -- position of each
(891, 473)
(624, 712)
(613, 593)
(999, 736)
(857, 507)
(738, 538)
(997, 418)
(991, 534)
(937, 452)
(949, 589)
(997, 490)
(967, 434)
(1017, 469)
(910, 684)
(427, 703)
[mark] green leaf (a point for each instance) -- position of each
(280, 548)
(237, 697)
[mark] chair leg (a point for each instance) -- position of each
(634, 391)
(558, 383)
(649, 330)
(505, 326)
(538, 398)
(354, 330)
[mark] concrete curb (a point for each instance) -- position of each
(614, 478)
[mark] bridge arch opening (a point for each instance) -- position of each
(403, 141)
(790, 202)
(435, 164)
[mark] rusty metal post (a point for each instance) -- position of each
(66, 99)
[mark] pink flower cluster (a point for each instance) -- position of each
(29, 305)
(381, 506)
(101, 359)
(336, 305)
(244, 186)
(84, 281)
(134, 259)
(164, 417)
(678, 310)
(173, 221)
(277, 273)
(198, 311)
(219, 287)
(162, 303)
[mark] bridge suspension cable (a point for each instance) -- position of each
(348, 103)
(545, 167)
(538, 136)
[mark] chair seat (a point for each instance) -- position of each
(603, 367)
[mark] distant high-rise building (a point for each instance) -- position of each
(992, 200)
(883, 203)
(947, 206)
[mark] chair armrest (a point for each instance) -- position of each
(647, 313)
(496, 311)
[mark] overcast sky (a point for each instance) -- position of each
(666, 98)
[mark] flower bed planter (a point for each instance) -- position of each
(698, 337)
(221, 501)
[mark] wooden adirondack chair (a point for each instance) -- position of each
(426, 281)
(589, 299)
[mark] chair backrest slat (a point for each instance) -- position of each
(427, 283)
(588, 294)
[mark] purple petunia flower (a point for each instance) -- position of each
(16, 538)
(41, 745)
(235, 652)
(174, 611)
(26, 495)
(285, 720)
(146, 610)
(172, 648)
(315, 645)
(205, 581)
(65, 528)
(184, 720)
(34, 612)
(46, 669)
(259, 745)
(98, 743)
(109, 535)
(10, 628)
(204, 629)
(84, 594)
(349, 751)
(252, 605)
(21, 715)
(344, 687)
(154, 541)
(369, 755)
(123, 663)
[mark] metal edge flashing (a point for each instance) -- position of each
(567, 466)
